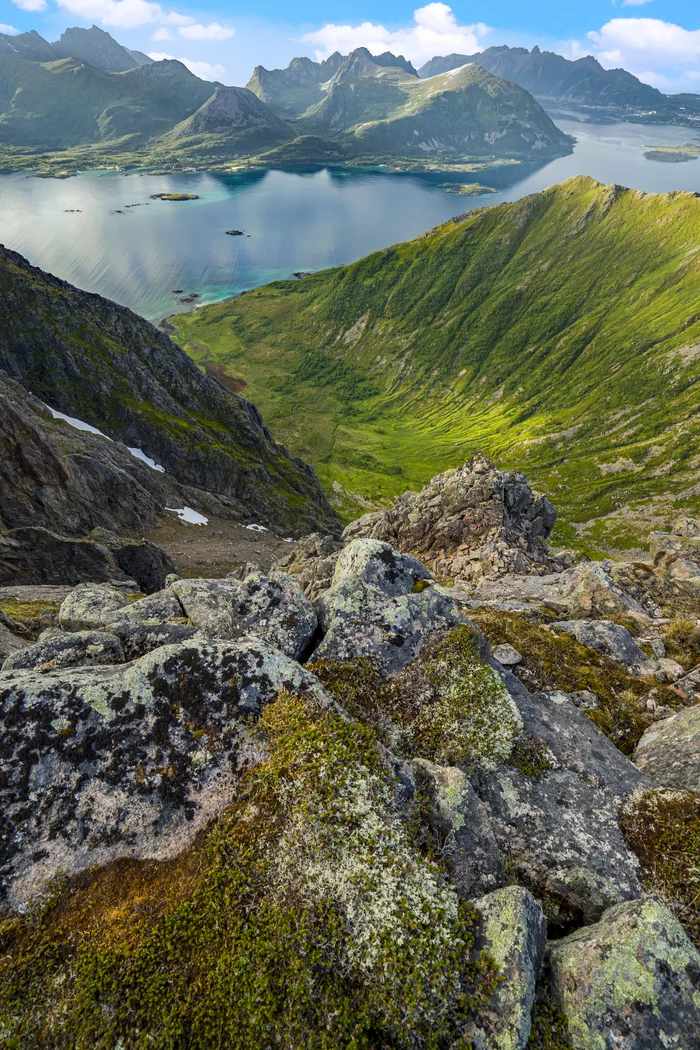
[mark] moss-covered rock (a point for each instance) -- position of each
(633, 979)
(670, 751)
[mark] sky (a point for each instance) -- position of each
(657, 40)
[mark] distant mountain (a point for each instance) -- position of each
(583, 82)
(235, 117)
(94, 46)
(381, 106)
(67, 103)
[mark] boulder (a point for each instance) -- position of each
(467, 523)
(611, 640)
(209, 604)
(587, 591)
(632, 981)
(514, 932)
(312, 563)
(358, 619)
(554, 812)
(460, 824)
(130, 760)
(90, 606)
(507, 655)
(57, 649)
(378, 565)
(669, 751)
(9, 643)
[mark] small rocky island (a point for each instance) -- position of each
(175, 197)
(674, 154)
(234, 233)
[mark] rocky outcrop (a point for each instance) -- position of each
(467, 523)
(610, 639)
(102, 364)
(632, 980)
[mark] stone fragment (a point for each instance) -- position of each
(514, 931)
(611, 640)
(507, 655)
(57, 649)
(669, 670)
(631, 981)
(130, 760)
(558, 830)
(461, 825)
(90, 606)
(669, 751)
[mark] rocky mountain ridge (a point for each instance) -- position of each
(94, 46)
(582, 82)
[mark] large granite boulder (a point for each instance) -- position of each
(554, 811)
(130, 760)
(91, 606)
(514, 932)
(467, 523)
(631, 981)
(670, 751)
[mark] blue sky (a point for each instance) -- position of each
(658, 40)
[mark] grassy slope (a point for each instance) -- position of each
(546, 333)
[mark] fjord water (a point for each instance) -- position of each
(104, 233)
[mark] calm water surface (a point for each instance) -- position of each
(87, 230)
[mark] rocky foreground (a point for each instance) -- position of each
(343, 804)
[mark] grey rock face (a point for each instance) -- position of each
(612, 640)
(669, 751)
(360, 620)
(273, 608)
(461, 825)
(467, 523)
(632, 981)
(9, 643)
(90, 606)
(559, 829)
(57, 649)
(128, 761)
(513, 930)
(378, 565)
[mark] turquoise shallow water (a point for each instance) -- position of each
(87, 230)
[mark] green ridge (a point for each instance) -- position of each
(559, 334)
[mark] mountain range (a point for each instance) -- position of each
(582, 82)
(87, 101)
(559, 332)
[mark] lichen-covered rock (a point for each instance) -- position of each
(90, 606)
(514, 932)
(467, 523)
(556, 822)
(670, 751)
(379, 565)
(312, 563)
(587, 591)
(161, 606)
(507, 655)
(209, 604)
(632, 981)
(460, 823)
(128, 761)
(612, 640)
(358, 619)
(275, 609)
(57, 649)
(150, 623)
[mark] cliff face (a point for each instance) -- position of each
(92, 359)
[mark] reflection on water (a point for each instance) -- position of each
(103, 232)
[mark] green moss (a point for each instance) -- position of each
(35, 616)
(549, 1029)
(305, 919)
(530, 755)
(663, 829)
(682, 639)
(558, 661)
(447, 706)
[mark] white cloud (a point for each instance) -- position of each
(162, 34)
(636, 41)
(213, 31)
(203, 70)
(435, 32)
(634, 3)
(31, 5)
(176, 19)
(123, 13)
(8, 30)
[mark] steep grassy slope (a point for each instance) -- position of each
(559, 334)
(99, 362)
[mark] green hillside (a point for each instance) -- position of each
(559, 334)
